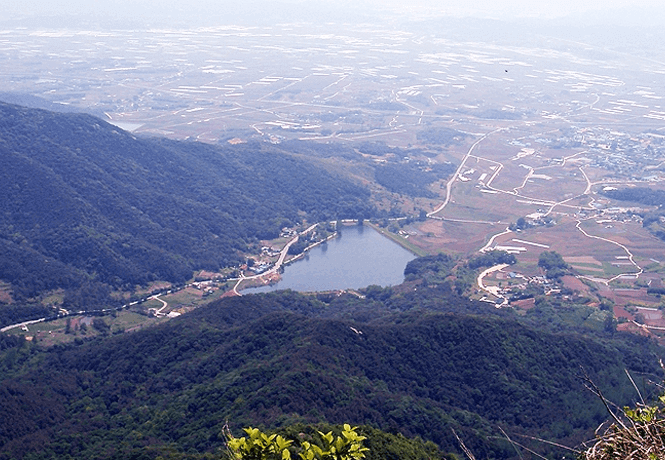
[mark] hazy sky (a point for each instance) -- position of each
(529, 8)
(503, 9)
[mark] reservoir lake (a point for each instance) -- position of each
(358, 257)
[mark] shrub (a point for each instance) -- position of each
(638, 434)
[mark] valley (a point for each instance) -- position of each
(171, 197)
(534, 132)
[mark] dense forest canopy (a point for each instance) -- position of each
(653, 220)
(417, 365)
(642, 195)
(411, 179)
(83, 200)
(87, 207)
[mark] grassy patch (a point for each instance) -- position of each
(399, 240)
(186, 297)
(614, 270)
(54, 332)
(152, 303)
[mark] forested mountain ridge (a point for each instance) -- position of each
(83, 200)
(88, 207)
(272, 360)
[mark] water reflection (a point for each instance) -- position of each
(357, 258)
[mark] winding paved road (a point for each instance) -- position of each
(449, 185)
(280, 261)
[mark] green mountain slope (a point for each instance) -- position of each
(278, 359)
(83, 200)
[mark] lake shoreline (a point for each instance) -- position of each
(354, 257)
(412, 248)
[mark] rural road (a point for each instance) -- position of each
(282, 255)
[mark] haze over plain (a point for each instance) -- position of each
(497, 112)
(609, 11)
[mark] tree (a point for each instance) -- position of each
(101, 326)
(551, 259)
(491, 258)
(553, 264)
